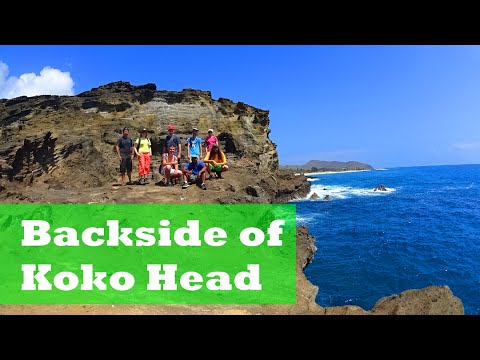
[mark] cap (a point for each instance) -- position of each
(194, 157)
(171, 127)
(210, 130)
(194, 129)
(143, 130)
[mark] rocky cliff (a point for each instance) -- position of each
(42, 133)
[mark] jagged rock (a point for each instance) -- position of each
(254, 190)
(432, 300)
(314, 196)
(380, 188)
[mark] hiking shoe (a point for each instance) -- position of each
(203, 186)
(219, 175)
(185, 185)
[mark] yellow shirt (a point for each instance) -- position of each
(218, 157)
(145, 145)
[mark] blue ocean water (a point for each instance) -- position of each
(424, 231)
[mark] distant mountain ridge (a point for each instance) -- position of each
(319, 165)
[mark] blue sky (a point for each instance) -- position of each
(384, 105)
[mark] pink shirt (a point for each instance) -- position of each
(210, 140)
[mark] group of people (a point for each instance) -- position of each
(195, 170)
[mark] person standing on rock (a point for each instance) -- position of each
(194, 148)
(210, 140)
(173, 139)
(216, 162)
(125, 152)
(143, 149)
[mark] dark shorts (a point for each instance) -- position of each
(192, 178)
(126, 165)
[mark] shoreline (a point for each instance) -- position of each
(330, 172)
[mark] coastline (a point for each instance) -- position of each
(330, 172)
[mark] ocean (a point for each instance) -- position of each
(425, 230)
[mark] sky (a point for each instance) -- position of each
(388, 106)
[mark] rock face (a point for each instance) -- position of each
(38, 134)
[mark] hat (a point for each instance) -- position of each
(210, 130)
(143, 130)
(194, 157)
(171, 127)
(194, 129)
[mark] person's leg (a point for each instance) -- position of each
(168, 169)
(176, 174)
(148, 162)
(140, 167)
(203, 178)
(123, 169)
(141, 164)
(222, 169)
(185, 178)
(185, 181)
(209, 170)
(129, 169)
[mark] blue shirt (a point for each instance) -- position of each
(193, 144)
(195, 167)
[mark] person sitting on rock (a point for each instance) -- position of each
(170, 166)
(216, 162)
(194, 172)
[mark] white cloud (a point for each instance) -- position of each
(466, 146)
(50, 82)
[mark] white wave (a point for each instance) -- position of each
(304, 219)
(312, 179)
(456, 188)
(382, 169)
(343, 192)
